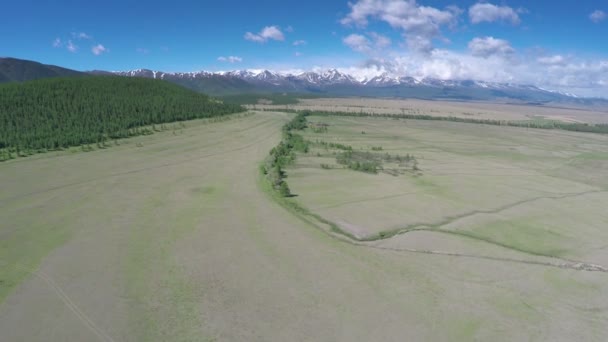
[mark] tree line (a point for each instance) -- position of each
(53, 114)
(284, 154)
(566, 126)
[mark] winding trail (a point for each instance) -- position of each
(560, 262)
(452, 219)
(69, 303)
(566, 264)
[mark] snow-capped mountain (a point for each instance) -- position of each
(328, 77)
(331, 82)
(162, 75)
(382, 80)
(336, 82)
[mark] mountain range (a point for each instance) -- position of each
(334, 82)
(330, 82)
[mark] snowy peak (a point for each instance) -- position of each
(333, 76)
(326, 80)
(146, 73)
(310, 77)
(382, 80)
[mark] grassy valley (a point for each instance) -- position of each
(298, 219)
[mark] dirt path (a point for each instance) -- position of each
(69, 303)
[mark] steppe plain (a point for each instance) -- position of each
(501, 235)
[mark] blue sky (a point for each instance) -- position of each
(560, 44)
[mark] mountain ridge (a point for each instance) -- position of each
(20, 70)
(330, 82)
(333, 81)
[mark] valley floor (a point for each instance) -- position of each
(445, 108)
(171, 237)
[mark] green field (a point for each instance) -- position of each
(523, 189)
(176, 236)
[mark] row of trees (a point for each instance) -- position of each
(284, 154)
(371, 162)
(359, 161)
(57, 113)
(567, 126)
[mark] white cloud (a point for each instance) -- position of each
(71, 46)
(597, 16)
(254, 37)
(578, 76)
(481, 12)
(419, 24)
(266, 34)
(380, 41)
(357, 42)
(99, 49)
(360, 43)
(552, 60)
(299, 42)
(143, 51)
(81, 35)
(297, 54)
(489, 46)
(230, 59)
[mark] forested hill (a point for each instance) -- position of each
(60, 112)
(19, 70)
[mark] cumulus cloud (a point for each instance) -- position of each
(597, 16)
(489, 46)
(71, 46)
(230, 59)
(81, 35)
(361, 43)
(380, 41)
(266, 34)
(357, 42)
(419, 24)
(99, 49)
(552, 60)
(487, 12)
(299, 42)
(582, 77)
(70, 41)
(585, 77)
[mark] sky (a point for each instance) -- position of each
(557, 44)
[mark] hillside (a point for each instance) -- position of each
(61, 112)
(19, 70)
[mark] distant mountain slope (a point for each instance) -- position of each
(204, 82)
(336, 83)
(19, 70)
(61, 112)
(330, 82)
